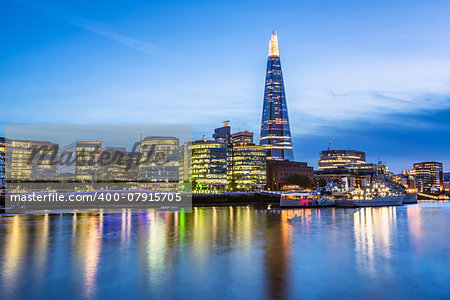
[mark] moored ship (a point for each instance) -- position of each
(410, 198)
(395, 200)
(376, 195)
(304, 200)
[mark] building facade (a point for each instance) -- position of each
(338, 159)
(447, 182)
(278, 173)
(429, 176)
(275, 130)
(246, 163)
(31, 160)
(80, 161)
(209, 166)
(242, 138)
(159, 159)
(186, 167)
(113, 164)
(223, 134)
(246, 168)
(347, 166)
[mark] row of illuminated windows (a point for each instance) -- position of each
(208, 146)
(340, 157)
(208, 163)
(209, 170)
(220, 155)
(157, 143)
(259, 156)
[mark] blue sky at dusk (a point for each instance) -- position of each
(368, 76)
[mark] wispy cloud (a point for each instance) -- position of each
(372, 90)
(338, 110)
(95, 27)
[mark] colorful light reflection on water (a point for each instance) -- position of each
(223, 252)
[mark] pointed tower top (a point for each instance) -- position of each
(273, 45)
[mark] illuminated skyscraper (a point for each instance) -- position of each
(275, 131)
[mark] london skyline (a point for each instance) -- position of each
(366, 78)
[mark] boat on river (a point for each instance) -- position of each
(304, 200)
(394, 200)
(378, 194)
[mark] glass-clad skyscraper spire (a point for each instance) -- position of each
(275, 132)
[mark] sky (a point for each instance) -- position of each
(368, 76)
(109, 135)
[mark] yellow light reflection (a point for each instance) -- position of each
(373, 229)
(40, 251)
(16, 236)
(87, 240)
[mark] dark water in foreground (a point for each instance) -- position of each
(240, 252)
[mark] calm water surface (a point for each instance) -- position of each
(223, 252)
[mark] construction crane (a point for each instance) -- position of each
(328, 150)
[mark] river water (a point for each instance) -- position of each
(229, 252)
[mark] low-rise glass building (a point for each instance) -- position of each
(246, 168)
(186, 162)
(80, 161)
(429, 176)
(209, 166)
(336, 159)
(31, 160)
(113, 164)
(159, 159)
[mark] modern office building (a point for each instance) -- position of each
(133, 166)
(113, 164)
(246, 167)
(223, 134)
(31, 160)
(429, 176)
(242, 138)
(159, 159)
(275, 130)
(348, 166)
(209, 166)
(447, 176)
(80, 161)
(186, 162)
(341, 159)
(278, 172)
(447, 182)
